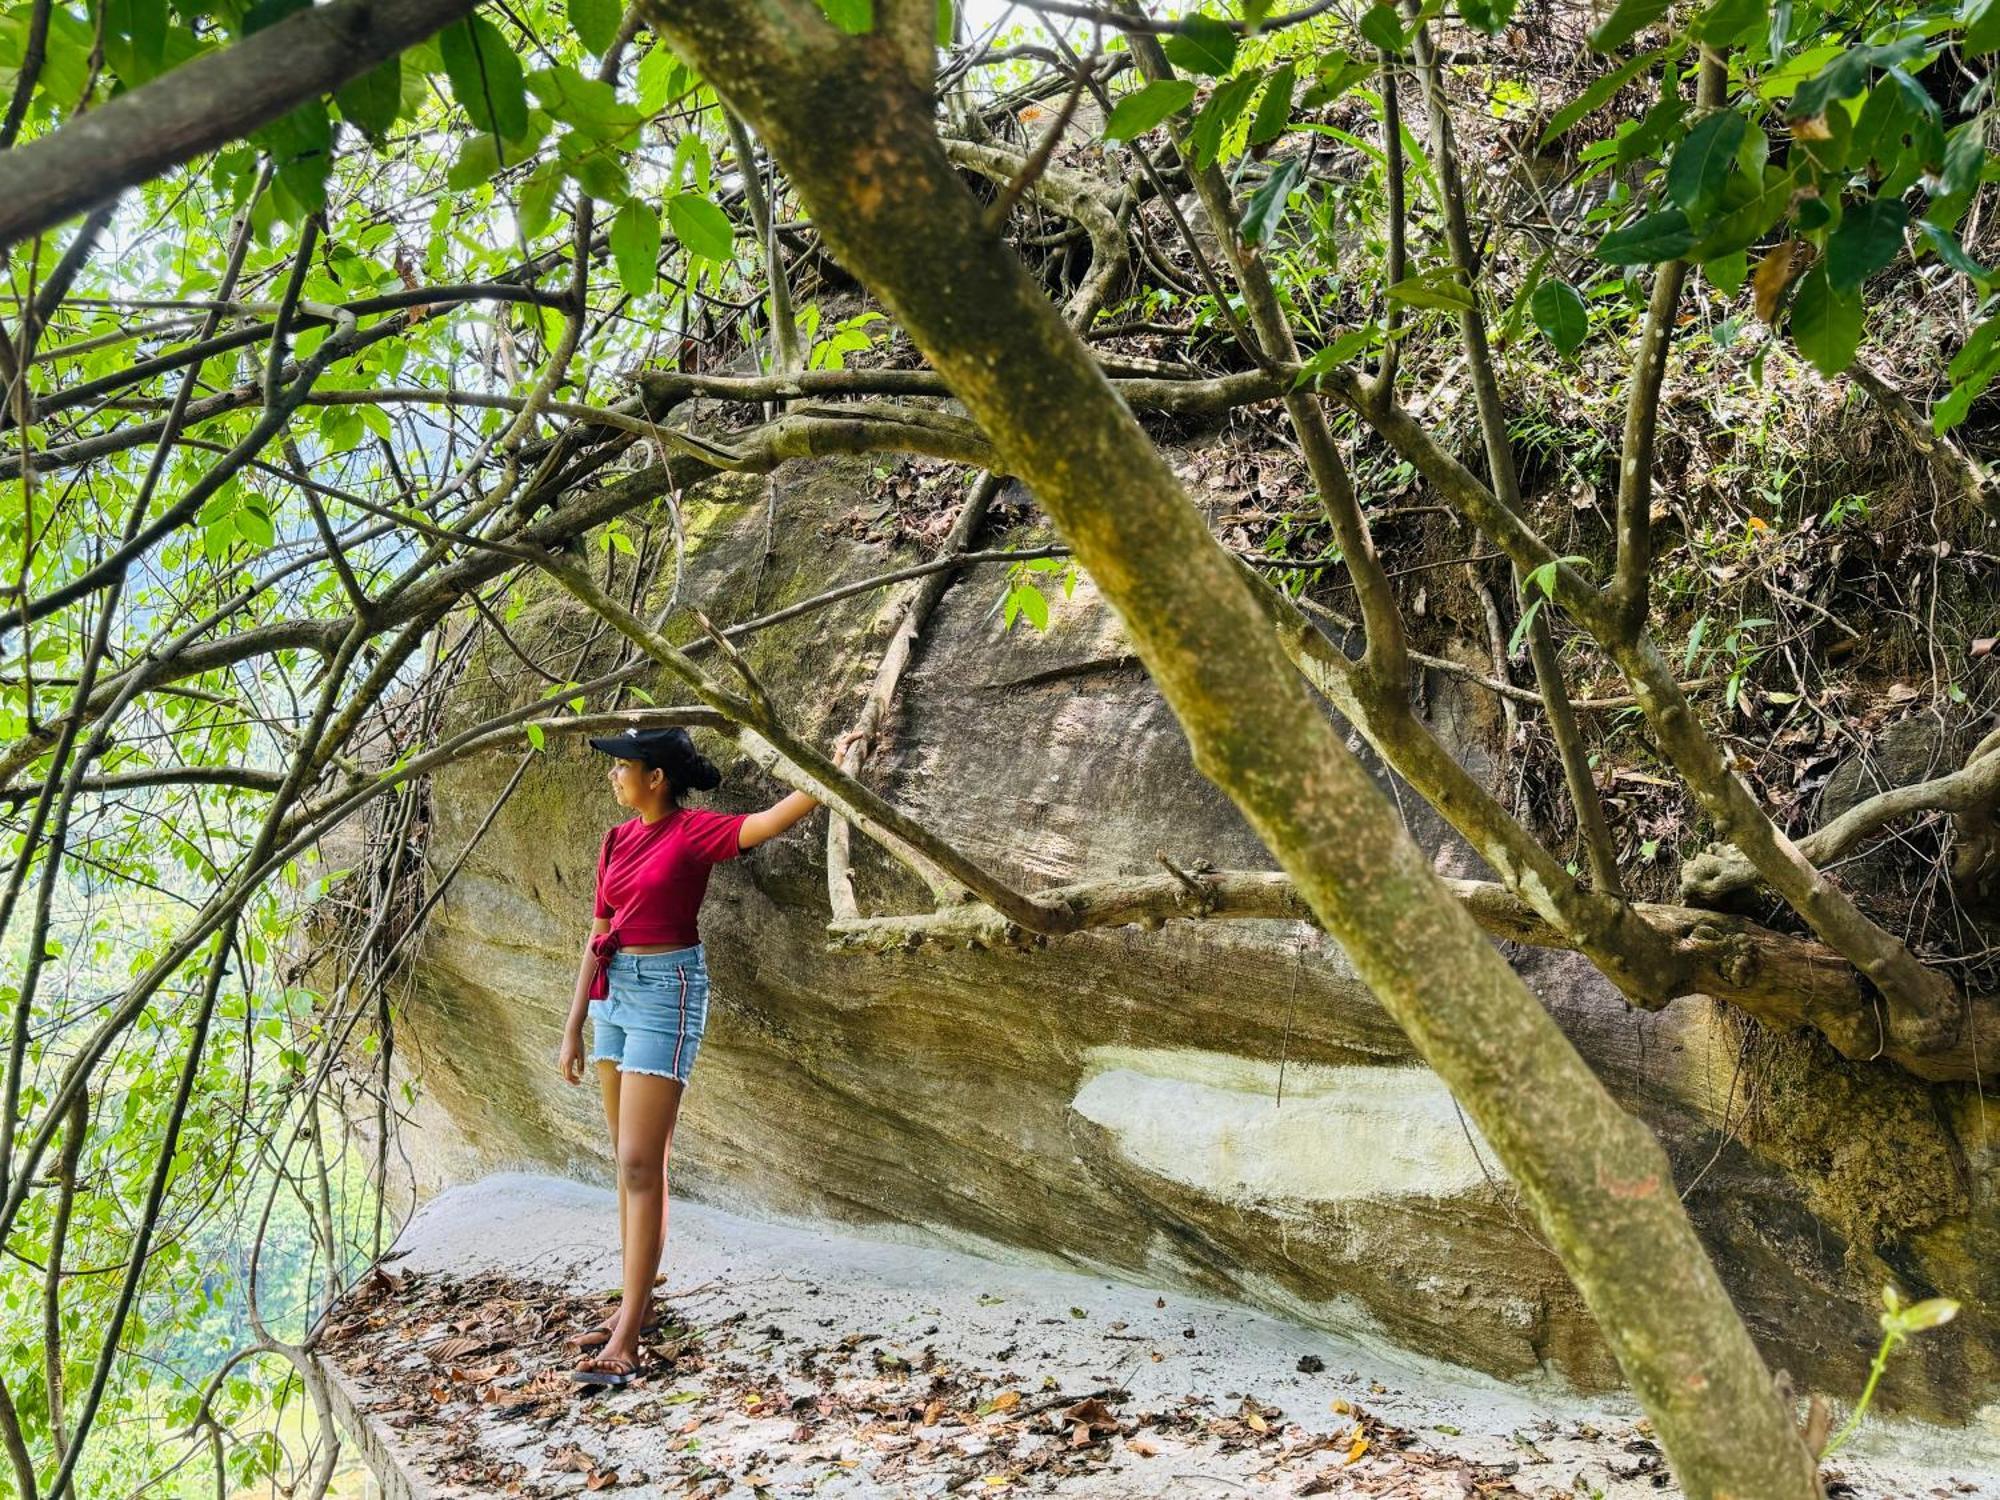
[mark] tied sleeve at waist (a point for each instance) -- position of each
(602, 946)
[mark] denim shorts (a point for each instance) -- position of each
(652, 1020)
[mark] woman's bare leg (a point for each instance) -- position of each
(648, 1107)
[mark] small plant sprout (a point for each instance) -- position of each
(1898, 1323)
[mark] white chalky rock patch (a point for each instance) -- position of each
(1214, 1122)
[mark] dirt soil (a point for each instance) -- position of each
(806, 1360)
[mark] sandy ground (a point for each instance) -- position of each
(801, 1360)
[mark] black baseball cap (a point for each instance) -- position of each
(670, 750)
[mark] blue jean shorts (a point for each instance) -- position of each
(654, 1017)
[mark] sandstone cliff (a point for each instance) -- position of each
(1217, 1107)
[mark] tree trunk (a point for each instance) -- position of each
(853, 126)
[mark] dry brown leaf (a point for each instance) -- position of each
(1006, 1400)
(1775, 272)
(598, 1479)
(1144, 1447)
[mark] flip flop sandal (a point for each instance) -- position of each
(612, 1378)
(597, 1338)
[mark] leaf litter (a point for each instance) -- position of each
(470, 1375)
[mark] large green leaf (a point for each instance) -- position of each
(1382, 26)
(1439, 288)
(1202, 45)
(1982, 26)
(596, 22)
(1746, 213)
(1659, 236)
(586, 103)
(701, 226)
(1558, 311)
(371, 102)
(1225, 106)
(1627, 19)
(486, 77)
(1826, 323)
(1139, 112)
(1274, 110)
(1704, 158)
(1266, 209)
(1727, 22)
(1870, 234)
(635, 247)
(1599, 93)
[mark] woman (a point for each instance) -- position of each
(644, 983)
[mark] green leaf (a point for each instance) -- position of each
(1659, 236)
(1266, 209)
(586, 103)
(1488, 16)
(1982, 26)
(371, 102)
(253, 524)
(478, 159)
(486, 77)
(1337, 74)
(1932, 1312)
(660, 75)
(1382, 26)
(1202, 45)
(1846, 75)
(594, 165)
(1870, 234)
(701, 226)
(1826, 323)
(596, 23)
(1033, 605)
(1726, 273)
(1522, 625)
(1627, 19)
(1558, 311)
(1354, 342)
(536, 735)
(855, 17)
(1139, 112)
(1438, 288)
(1225, 105)
(301, 148)
(1704, 158)
(1274, 110)
(1951, 252)
(538, 199)
(1599, 94)
(1958, 180)
(635, 246)
(1745, 213)
(1727, 22)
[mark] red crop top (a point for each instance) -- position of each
(651, 879)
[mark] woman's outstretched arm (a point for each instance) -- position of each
(774, 820)
(760, 827)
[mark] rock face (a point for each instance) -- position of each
(1222, 1108)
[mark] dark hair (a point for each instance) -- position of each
(686, 768)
